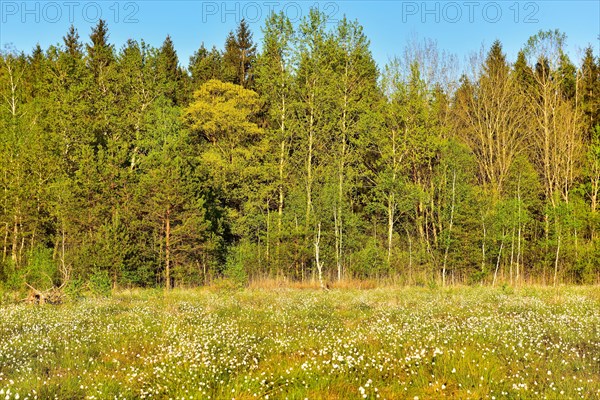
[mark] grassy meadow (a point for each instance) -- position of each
(388, 343)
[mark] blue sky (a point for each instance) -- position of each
(459, 27)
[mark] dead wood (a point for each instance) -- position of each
(54, 295)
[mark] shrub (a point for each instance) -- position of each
(100, 283)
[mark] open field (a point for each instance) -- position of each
(288, 343)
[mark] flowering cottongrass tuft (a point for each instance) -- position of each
(468, 343)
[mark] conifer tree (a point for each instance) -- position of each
(205, 65)
(169, 71)
(72, 44)
(240, 56)
(100, 53)
(589, 89)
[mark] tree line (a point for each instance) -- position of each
(303, 160)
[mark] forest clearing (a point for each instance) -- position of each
(391, 343)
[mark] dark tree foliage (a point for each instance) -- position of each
(205, 65)
(170, 73)
(100, 53)
(239, 56)
(590, 88)
(72, 45)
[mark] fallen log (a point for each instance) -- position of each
(54, 295)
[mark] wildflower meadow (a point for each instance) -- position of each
(388, 343)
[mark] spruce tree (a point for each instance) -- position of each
(72, 45)
(169, 71)
(240, 56)
(100, 53)
(205, 65)
(523, 72)
(589, 90)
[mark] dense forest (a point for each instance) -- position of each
(297, 158)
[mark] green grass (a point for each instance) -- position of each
(382, 343)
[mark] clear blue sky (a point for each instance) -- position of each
(459, 27)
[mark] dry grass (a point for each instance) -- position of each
(281, 283)
(267, 283)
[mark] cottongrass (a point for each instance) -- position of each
(478, 343)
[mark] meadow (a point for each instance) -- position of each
(388, 343)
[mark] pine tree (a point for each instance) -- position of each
(72, 45)
(222, 117)
(100, 53)
(168, 196)
(205, 65)
(589, 89)
(240, 56)
(169, 71)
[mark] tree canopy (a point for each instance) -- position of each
(297, 157)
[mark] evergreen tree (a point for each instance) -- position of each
(72, 45)
(205, 65)
(170, 73)
(523, 73)
(589, 89)
(568, 77)
(222, 117)
(167, 193)
(240, 56)
(100, 53)
(112, 169)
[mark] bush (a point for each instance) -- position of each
(100, 283)
(74, 289)
(41, 271)
(234, 269)
(370, 261)
(15, 279)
